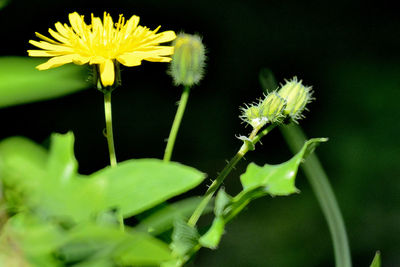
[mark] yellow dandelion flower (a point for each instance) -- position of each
(102, 43)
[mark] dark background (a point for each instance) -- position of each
(347, 50)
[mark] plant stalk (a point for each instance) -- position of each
(175, 125)
(109, 128)
(254, 138)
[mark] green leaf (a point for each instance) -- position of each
(163, 219)
(24, 238)
(270, 179)
(184, 239)
(136, 185)
(21, 83)
(142, 249)
(221, 201)
(62, 164)
(277, 179)
(91, 243)
(22, 164)
(377, 260)
(213, 236)
(48, 183)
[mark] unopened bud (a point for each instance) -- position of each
(297, 96)
(252, 116)
(272, 107)
(187, 65)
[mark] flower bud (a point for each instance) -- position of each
(187, 65)
(297, 96)
(272, 107)
(252, 115)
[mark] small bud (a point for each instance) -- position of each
(272, 107)
(297, 96)
(187, 65)
(252, 115)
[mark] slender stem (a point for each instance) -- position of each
(176, 123)
(110, 141)
(109, 128)
(324, 193)
(254, 138)
(216, 184)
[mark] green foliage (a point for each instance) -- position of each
(136, 185)
(56, 211)
(376, 262)
(163, 219)
(21, 83)
(184, 239)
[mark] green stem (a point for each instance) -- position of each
(176, 123)
(110, 141)
(109, 128)
(254, 138)
(324, 193)
(216, 184)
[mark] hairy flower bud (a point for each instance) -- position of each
(252, 115)
(187, 65)
(272, 107)
(297, 96)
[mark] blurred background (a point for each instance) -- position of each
(347, 50)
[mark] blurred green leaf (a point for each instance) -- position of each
(163, 219)
(136, 185)
(184, 239)
(377, 260)
(221, 201)
(48, 182)
(22, 164)
(213, 236)
(24, 238)
(62, 164)
(267, 80)
(3, 3)
(21, 83)
(92, 243)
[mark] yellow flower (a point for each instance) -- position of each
(102, 43)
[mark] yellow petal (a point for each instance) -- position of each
(41, 36)
(80, 60)
(43, 53)
(96, 60)
(130, 60)
(131, 24)
(107, 74)
(53, 47)
(164, 37)
(61, 29)
(76, 22)
(59, 37)
(159, 50)
(158, 59)
(56, 62)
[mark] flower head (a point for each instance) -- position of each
(102, 43)
(297, 96)
(187, 64)
(268, 110)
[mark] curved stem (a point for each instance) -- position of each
(254, 138)
(325, 195)
(109, 128)
(176, 123)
